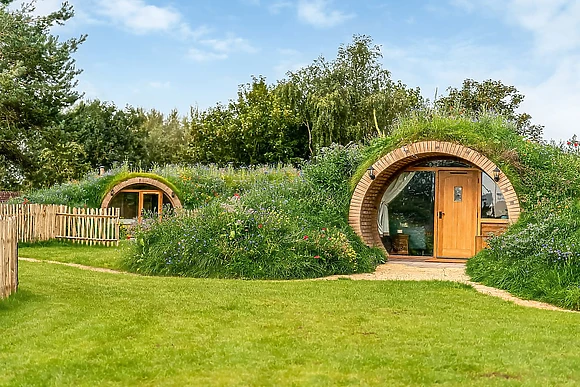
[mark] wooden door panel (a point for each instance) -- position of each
(457, 206)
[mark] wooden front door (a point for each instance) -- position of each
(150, 202)
(456, 215)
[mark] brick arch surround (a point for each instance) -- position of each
(368, 193)
(175, 202)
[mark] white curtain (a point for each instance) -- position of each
(391, 193)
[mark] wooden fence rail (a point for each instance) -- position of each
(8, 256)
(39, 222)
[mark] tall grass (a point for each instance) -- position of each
(275, 225)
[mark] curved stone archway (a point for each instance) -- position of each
(368, 193)
(175, 202)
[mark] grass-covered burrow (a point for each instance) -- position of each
(539, 256)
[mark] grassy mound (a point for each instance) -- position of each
(257, 222)
(279, 223)
(292, 227)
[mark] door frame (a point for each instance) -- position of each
(436, 170)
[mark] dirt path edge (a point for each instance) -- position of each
(389, 271)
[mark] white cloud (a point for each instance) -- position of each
(220, 49)
(200, 32)
(141, 18)
(277, 6)
(229, 44)
(204, 55)
(554, 26)
(554, 101)
(318, 14)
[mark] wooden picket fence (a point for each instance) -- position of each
(40, 222)
(8, 256)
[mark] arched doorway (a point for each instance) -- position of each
(138, 196)
(456, 197)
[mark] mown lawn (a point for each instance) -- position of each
(71, 327)
(96, 256)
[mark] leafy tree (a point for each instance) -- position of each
(490, 96)
(210, 135)
(166, 140)
(257, 128)
(37, 81)
(349, 98)
(267, 127)
(61, 162)
(108, 135)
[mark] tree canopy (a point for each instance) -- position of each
(37, 81)
(48, 136)
(494, 97)
(349, 98)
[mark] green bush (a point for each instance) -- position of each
(538, 258)
(282, 228)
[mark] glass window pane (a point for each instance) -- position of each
(493, 204)
(411, 213)
(150, 203)
(128, 202)
(443, 163)
(457, 194)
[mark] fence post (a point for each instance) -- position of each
(8, 256)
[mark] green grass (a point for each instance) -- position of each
(97, 256)
(71, 327)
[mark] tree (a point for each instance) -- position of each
(108, 134)
(493, 97)
(267, 129)
(256, 128)
(349, 98)
(37, 81)
(166, 140)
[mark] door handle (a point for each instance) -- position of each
(441, 213)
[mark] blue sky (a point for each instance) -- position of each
(174, 54)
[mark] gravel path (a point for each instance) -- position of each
(395, 270)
